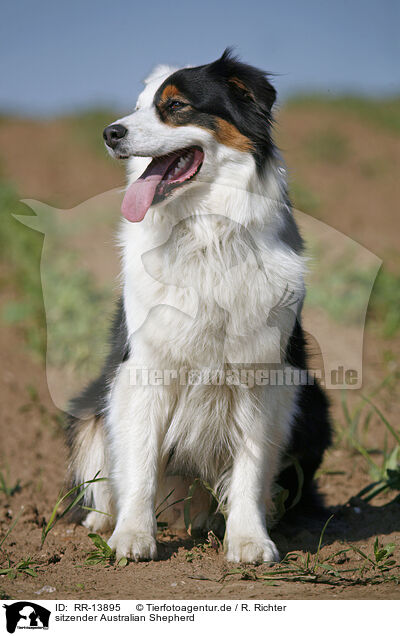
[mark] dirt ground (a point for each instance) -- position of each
(32, 448)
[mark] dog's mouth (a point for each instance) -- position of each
(164, 175)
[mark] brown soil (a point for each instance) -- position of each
(49, 161)
(32, 445)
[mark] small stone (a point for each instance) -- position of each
(46, 588)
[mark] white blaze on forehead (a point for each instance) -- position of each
(161, 70)
(145, 100)
(152, 83)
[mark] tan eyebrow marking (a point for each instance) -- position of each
(169, 91)
(229, 135)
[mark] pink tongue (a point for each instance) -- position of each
(140, 194)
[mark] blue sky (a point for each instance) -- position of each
(60, 56)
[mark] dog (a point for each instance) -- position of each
(213, 281)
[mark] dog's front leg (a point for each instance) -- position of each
(136, 422)
(246, 538)
(249, 494)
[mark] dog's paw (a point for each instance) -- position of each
(97, 522)
(133, 545)
(251, 550)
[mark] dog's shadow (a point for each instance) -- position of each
(170, 547)
(301, 531)
(355, 521)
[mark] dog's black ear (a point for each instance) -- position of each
(238, 86)
(246, 82)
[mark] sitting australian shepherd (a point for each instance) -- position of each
(212, 284)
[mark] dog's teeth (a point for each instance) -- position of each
(185, 160)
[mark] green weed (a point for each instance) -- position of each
(160, 509)
(6, 487)
(386, 474)
(25, 566)
(75, 496)
(317, 569)
(215, 503)
(10, 529)
(12, 569)
(102, 554)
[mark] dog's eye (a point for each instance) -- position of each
(175, 105)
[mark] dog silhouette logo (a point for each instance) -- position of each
(338, 271)
(26, 615)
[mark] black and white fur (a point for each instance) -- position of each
(236, 438)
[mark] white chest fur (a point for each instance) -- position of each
(204, 296)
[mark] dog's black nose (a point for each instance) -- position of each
(112, 134)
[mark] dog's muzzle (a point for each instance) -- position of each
(113, 134)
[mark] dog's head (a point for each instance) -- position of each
(190, 123)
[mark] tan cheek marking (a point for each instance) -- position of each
(226, 133)
(229, 135)
(169, 120)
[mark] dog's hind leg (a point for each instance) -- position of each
(86, 434)
(89, 459)
(311, 435)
